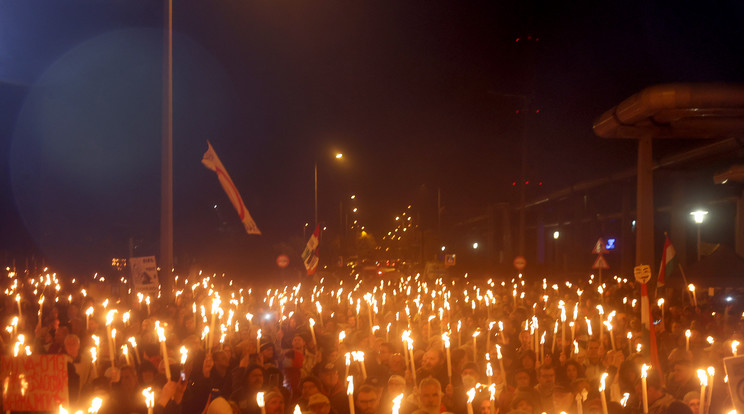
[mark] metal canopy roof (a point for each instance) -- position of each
(700, 110)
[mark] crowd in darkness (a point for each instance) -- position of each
(300, 346)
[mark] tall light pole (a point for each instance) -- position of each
(338, 156)
(699, 217)
(166, 162)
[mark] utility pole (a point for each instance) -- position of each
(166, 163)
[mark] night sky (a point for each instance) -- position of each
(418, 95)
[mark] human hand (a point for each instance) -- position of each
(449, 391)
(167, 393)
(208, 364)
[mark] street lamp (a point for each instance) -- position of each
(556, 235)
(443, 248)
(699, 217)
(338, 156)
(475, 246)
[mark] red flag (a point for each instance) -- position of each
(648, 323)
(668, 261)
(212, 161)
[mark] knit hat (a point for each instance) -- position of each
(317, 398)
(692, 395)
(219, 406)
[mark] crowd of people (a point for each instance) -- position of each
(355, 346)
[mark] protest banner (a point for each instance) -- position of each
(34, 382)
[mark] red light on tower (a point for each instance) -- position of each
(526, 183)
(517, 40)
(514, 183)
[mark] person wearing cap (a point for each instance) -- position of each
(298, 361)
(267, 355)
(308, 387)
(455, 396)
(332, 388)
(319, 404)
(220, 406)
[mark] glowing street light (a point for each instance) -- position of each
(556, 234)
(339, 155)
(443, 248)
(475, 246)
(699, 217)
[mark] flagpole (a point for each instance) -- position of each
(316, 193)
(166, 165)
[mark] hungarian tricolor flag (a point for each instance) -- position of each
(648, 327)
(310, 255)
(668, 261)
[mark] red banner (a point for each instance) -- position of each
(34, 383)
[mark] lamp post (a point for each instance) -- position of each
(338, 156)
(556, 235)
(699, 217)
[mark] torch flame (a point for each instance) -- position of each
(149, 397)
(602, 381)
(471, 395)
(703, 377)
(350, 388)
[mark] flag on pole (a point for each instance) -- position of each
(668, 261)
(310, 254)
(211, 161)
(648, 325)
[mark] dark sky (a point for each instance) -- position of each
(418, 95)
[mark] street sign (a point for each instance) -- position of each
(642, 273)
(449, 260)
(144, 272)
(600, 247)
(600, 263)
(282, 261)
(520, 263)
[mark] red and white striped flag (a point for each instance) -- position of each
(668, 262)
(648, 324)
(212, 161)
